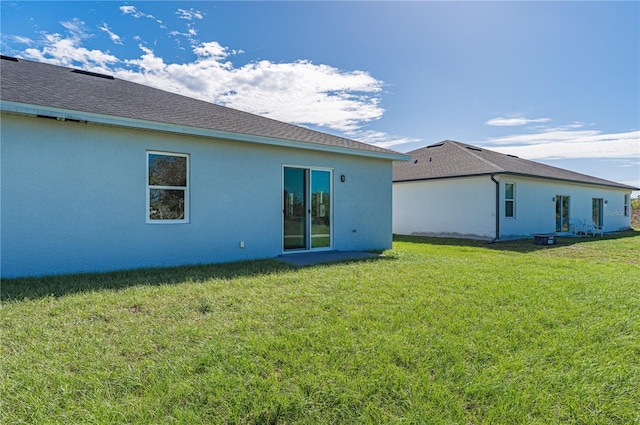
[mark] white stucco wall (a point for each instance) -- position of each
(458, 207)
(465, 207)
(74, 199)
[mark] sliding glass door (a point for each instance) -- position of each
(307, 212)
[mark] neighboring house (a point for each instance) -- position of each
(452, 189)
(102, 174)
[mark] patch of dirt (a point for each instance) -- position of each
(135, 309)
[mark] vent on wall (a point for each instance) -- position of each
(9, 58)
(93, 74)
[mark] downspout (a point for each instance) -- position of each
(497, 209)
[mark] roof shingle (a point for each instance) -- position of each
(449, 159)
(41, 84)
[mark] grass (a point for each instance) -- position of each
(438, 331)
(635, 213)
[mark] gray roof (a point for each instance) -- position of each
(52, 86)
(450, 159)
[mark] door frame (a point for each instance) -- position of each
(308, 196)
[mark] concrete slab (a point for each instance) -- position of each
(311, 258)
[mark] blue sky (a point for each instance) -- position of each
(555, 82)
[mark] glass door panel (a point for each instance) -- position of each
(596, 211)
(562, 213)
(320, 209)
(295, 208)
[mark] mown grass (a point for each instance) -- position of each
(437, 331)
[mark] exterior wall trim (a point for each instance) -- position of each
(507, 173)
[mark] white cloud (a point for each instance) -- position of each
(515, 121)
(189, 14)
(381, 139)
(68, 51)
(76, 28)
(131, 10)
(20, 39)
(557, 144)
(304, 93)
(128, 10)
(211, 49)
(114, 37)
(298, 92)
(190, 34)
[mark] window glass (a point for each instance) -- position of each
(166, 204)
(167, 170)
(508, 188)
(509, 207)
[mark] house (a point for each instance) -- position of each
(452, 189)
(103, 174)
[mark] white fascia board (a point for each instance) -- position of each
(609, 185)
(29, 109)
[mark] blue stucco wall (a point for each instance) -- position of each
(74, 199)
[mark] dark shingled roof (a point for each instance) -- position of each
(54, 86)
(454, 159)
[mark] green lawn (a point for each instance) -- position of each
(438, 331)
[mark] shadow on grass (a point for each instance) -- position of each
(61, 285)
(521, 245)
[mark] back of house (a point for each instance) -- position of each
(103, 174)
(452, 189)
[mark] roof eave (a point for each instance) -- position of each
(35, 110)
(612, 185)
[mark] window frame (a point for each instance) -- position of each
(150, 187)
(511, 200)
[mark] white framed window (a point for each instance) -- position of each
(167, 187)
(626, 205)
(509, 199)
